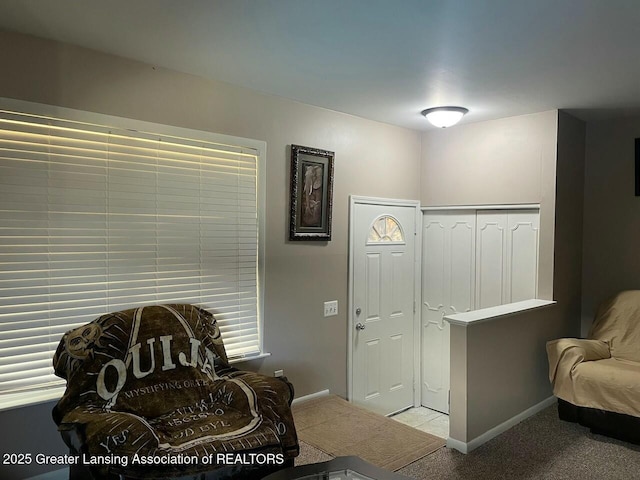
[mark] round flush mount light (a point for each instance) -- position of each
(444, 117)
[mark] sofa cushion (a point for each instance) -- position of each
(183, 441)
(611, 384)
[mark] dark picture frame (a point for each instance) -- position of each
(311, 193)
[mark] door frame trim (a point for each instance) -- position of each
(417, 275)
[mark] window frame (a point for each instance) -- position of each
(31, 397)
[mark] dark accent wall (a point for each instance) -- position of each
(611, 257)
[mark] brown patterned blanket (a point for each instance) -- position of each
(150, 394)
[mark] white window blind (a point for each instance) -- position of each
(95, 219)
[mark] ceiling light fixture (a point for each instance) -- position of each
(444, 117)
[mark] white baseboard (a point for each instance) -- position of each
(503, 427)
(457, 445)
(311, 396)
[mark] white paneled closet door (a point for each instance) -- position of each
(471, 259)
(507, 256)
(448, 280)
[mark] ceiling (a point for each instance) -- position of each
(384, 60)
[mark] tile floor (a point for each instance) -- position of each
(422, 418)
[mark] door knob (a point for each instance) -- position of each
(358, 311)
(360, 326)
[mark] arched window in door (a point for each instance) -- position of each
(385, 229)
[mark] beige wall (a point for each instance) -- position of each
(371, 159)
(506, 161)
(507, 368)
(611, 258)
(499, 368)
(486, 163)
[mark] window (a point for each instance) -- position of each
(385, 229)
(95, 219)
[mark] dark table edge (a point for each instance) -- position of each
(339, 463)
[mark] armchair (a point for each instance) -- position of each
(150, 394)
(597, 380)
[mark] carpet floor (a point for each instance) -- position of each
(540, 447)
(339, 428)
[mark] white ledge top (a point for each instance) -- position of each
(492, 313)
(248, 358)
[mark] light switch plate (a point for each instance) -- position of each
(331, 308)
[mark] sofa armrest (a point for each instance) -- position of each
(274, 395)
(94, 432)
(566, 353)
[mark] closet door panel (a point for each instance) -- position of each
(462, 264)
(435, 298)
(490, 258)
(522, 255)
(448, 278)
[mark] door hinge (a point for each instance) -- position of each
(414, 306)
(449, 400)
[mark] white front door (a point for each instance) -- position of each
(382, 316)
(448, 259)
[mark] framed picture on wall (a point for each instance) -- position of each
(311, 193)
